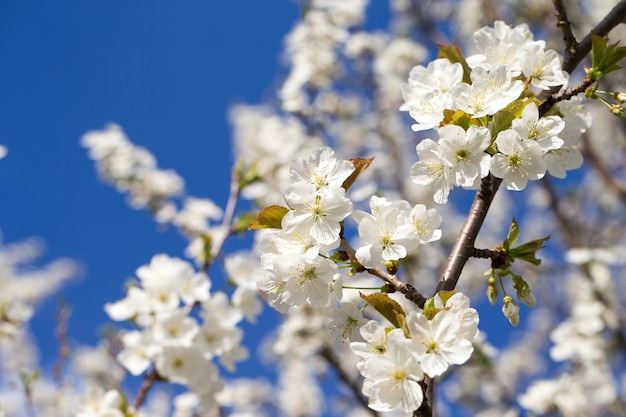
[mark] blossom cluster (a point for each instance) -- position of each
(302, 272)
(481, 93)
(178, 344)
(394, 362)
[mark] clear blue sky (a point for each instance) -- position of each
(167, 72)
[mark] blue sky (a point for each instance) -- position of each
(165, 71)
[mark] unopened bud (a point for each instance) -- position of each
(618, 110)
(621, 97)
(524, 294)
(510, 311)
(492, 291)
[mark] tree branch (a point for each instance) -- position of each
(354, 386)
(393, 281)
(616, 16)
(464, 246)
(480, 206)
(571, 44)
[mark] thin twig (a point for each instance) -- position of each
(616, 16)
(229, 213)
(393, 281)
(354, 386)
(478, 211)
(148, 381)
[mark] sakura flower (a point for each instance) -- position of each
(302, 280)
(110, 404)
(425, 108)
(432, 168)
(388, 236)
(559, 161)
(500, 46)
(459, 303)
(517, 161)
(161, 279)
(489, 92)
(322, 169)
(544, 131)
(320, 212)
(440, 74)
(392, 379)
(542, 67)
(437, 343)
(175, 327)
(136, 354)
(375, 337)
(426, 222)
(346, 321)
(465, 153)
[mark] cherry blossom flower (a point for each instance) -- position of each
(432, 168)
(518, 161)
(321, 212)
(465, 153)
(437, 342)
(388, 234)
(543, 130)
(489, 92)
(392, 379)
(322, 169)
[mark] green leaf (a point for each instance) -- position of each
(243, 222)
(604, 57)
(512, 237)
(528, 251)
(503, 119)
(453, 54)
(459, 118)
(269, 218)
(389, 308)
(430, 311)
(360, 165)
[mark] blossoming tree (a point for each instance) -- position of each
(356, 186)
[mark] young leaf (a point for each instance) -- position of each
(512, 237)
(360, 165)
(389, 308)
(269, 218)
(528, 251)
(453, 54)
(604, 57)
(503, 119)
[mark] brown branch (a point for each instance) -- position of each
(616, 16)
(464, 245)
(563, 23)
(480, 206)
(148, 381)
(355, 386)
(393, 281)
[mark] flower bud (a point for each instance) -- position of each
(621, 97)
(492, 291)
(510, 311)
(618, 110)
(524, 294)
